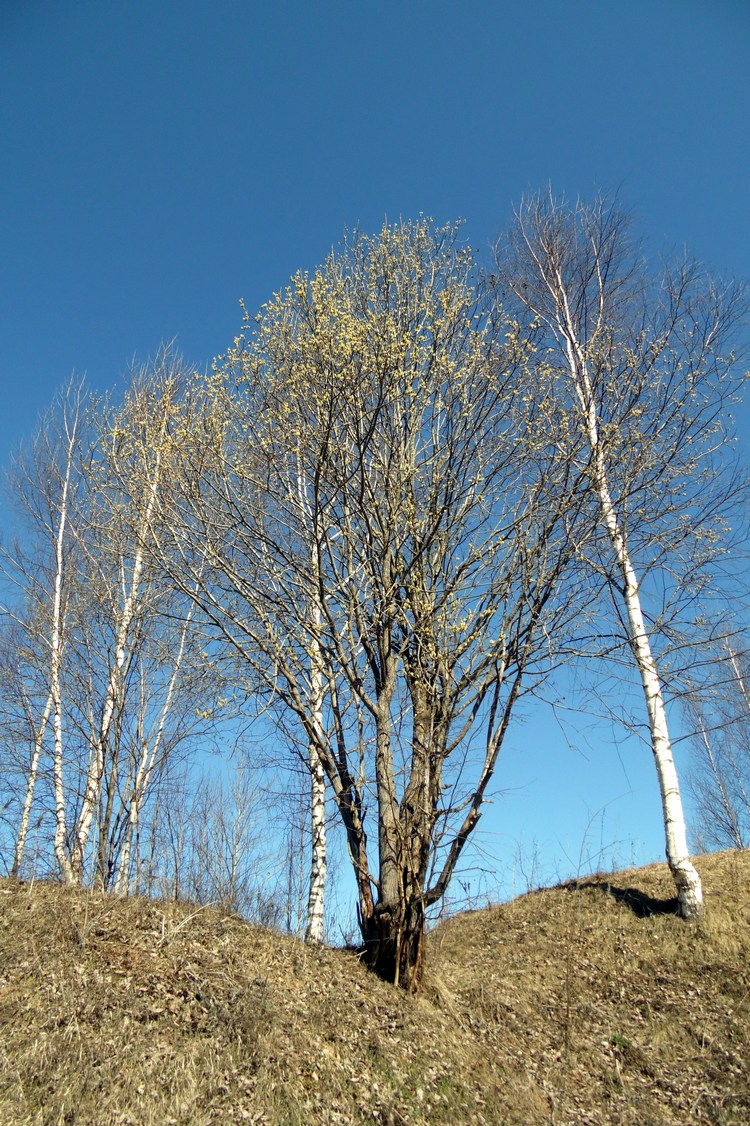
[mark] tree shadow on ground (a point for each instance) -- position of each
(641, 904)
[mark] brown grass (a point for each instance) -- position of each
(577, 1004)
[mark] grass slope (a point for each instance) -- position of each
(577, 1004)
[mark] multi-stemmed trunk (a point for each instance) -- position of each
(395, 934)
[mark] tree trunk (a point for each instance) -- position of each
(56, 644)
(122, 878)
(122, 631)
(395, 935)
(23, 828)
(687, 881)
(61, 854)
(318, 860)
(394, 942)
(318, 864)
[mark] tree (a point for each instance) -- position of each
(643, 370)
(100, 654)
(720, 778)
(45, 488)
(24, 729)
(215, 845)
(155, 689)
(383, 513)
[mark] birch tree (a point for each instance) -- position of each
(26, 715)
(643, 369)
(420, 575)
(145, 661)
(44, 487)
(108, 675)
(720, 774)
(219, 489)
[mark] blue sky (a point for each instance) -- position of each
(162, 159)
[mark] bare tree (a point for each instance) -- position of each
(206, 574)
(241, 867)
(154, 684)
(139, 437)
(25, 720)
(720, 776)
(103, 659)
(643, 370)
(45, 486)
(383, 506)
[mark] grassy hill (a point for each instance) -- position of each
(584, 1003)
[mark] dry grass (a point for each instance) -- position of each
(612, 1008)
(569, 1005)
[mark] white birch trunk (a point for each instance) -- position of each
(319, 858)
(145, 769)
(319, 865)
(687, 881)
(23, 828)
(739, 677)
(96, 764)
(56, 644)
(314, 929)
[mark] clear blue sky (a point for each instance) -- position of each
(162, 159)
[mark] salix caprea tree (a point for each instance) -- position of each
(381, 531)
(642, 369)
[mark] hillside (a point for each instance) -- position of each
(577, 1004)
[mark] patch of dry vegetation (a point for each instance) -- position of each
(615, 1009)
(570, 1005)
